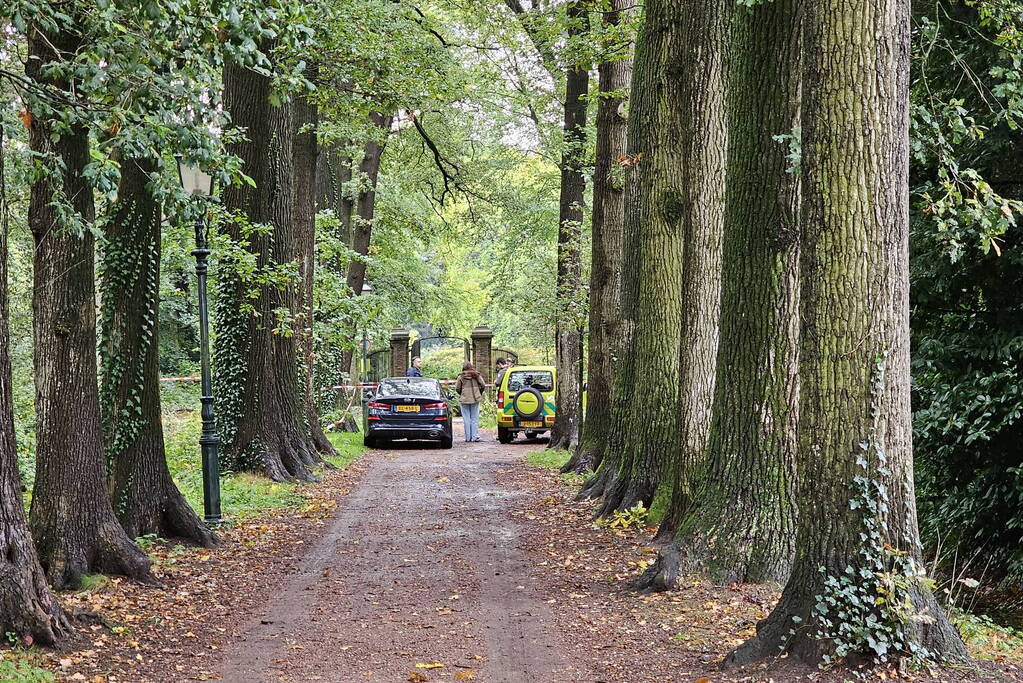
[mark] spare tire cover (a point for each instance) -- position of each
(528, 402)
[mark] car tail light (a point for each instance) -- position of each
(500, 400)
(435, 406)
(373, 405)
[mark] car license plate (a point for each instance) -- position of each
(531, 424)
(407, 409)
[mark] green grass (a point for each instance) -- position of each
(14, 669)
(243, 494)
(548, 458)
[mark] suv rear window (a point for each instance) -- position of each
(541, 380)
(412, 386)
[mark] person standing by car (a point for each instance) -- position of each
(415, 370)
(502, 366)
(470, 387)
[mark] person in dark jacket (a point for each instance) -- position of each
(414, 370)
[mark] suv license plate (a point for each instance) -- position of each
(407, 409)
(531, 424)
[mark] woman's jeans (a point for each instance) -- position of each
(471, 420)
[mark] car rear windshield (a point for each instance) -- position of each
(427, 388)
(541, 380)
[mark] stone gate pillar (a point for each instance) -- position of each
(399, 351)
(482, 338)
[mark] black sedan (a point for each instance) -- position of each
(412, 408)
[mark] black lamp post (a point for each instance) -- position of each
(197, 183)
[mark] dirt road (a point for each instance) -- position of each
(423, 565)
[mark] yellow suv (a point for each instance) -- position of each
(525, 401)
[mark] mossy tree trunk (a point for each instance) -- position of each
(306, 154)
(678, 266)
(143, 494)
(856, 497)
(616, 464)
(568, 338)
(740, 524)
(702, 150)
(607, 227)
(261, 413)
(72, 522)
(27, 607)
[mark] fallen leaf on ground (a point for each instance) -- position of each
(431, 665)
(417, 677)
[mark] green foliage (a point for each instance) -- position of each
(242, 494)
(635, 517)
(986, 639)
(967, 275)
(15, 669)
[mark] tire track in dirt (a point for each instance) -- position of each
(423, 564)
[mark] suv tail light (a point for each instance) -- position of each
(500, 400)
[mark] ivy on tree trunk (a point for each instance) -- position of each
(144, 496)
(260, 408)
(858, 551)
(72, 522)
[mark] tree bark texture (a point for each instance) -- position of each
(305, 152)
(262, 415)
(702, 151)
(365, 209)
(612, 476)
(144, 496)
(740, 525)
(72, 522)
(607, 228)
(27, 607)
(568, 342)
(855, 440)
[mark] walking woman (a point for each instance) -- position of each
(470, 388)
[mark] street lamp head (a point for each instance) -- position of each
(193, 180)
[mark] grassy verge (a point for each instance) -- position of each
(16, 666)
(243, 494)
(556, 460)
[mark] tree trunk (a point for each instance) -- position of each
(305, 157)
(73, 525)
(857, 507)
(27, 607)
(261, 411)
(365, 208)
(144, 497)
(615, 469)
(607, 226)
(568, 331)
(740, 525)
(703, 151)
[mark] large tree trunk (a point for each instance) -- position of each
(27, 607)
(73, 525)
(305, 158)
(365, 209)
(144, 496)
(607, 226)
(261, 410)
(740, 524)
(857, 508)
(616, 464)
(678, 265)
(703, 151)
(568, 341)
